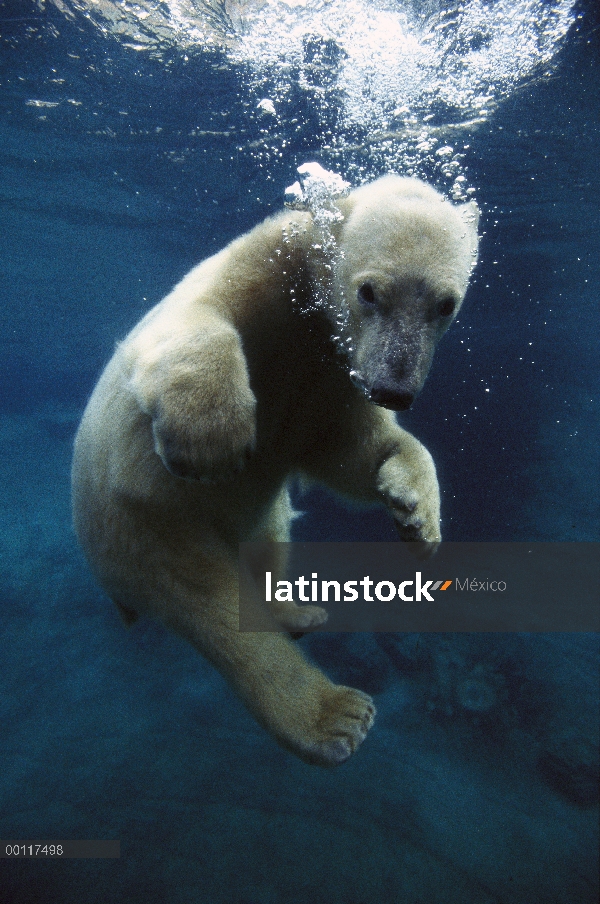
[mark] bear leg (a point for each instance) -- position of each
(318, 721)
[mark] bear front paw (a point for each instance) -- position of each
(414, 501)
(216, 445)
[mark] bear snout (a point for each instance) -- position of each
(388, 397)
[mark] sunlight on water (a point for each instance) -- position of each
(380, 84)
(390, 84)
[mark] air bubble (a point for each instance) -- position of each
(384, 81)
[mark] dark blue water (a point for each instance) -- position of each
(106, 201)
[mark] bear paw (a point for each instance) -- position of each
(293, 618)
(216, 446)
(414, 501)
(345, 717)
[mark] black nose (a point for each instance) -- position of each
(388, 398)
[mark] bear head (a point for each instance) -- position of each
(405, 255)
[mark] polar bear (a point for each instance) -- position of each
(285, 354)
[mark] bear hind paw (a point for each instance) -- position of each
(343, 724)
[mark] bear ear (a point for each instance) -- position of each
(470, 213)
(346, 204)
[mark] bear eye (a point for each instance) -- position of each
(366, 295)
(446, 307)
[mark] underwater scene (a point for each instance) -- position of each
(137, 139)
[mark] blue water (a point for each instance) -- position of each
(107, 198)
